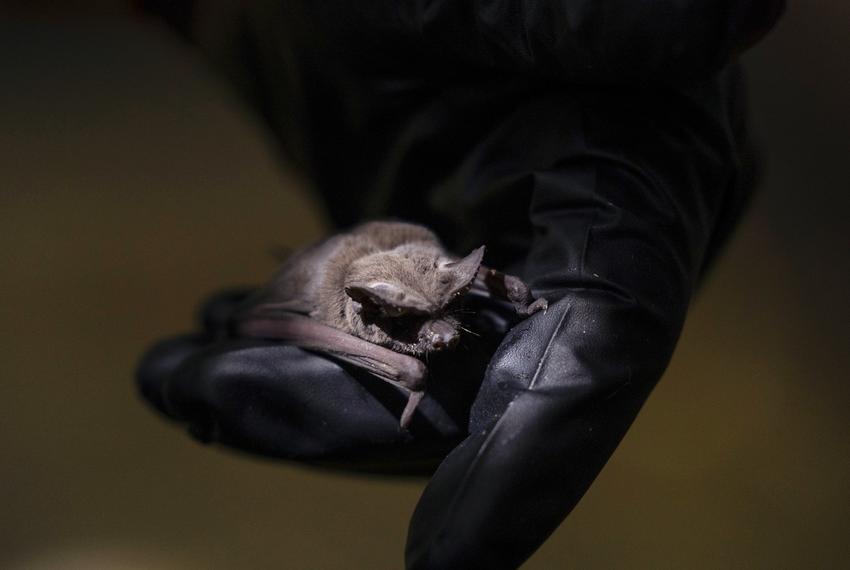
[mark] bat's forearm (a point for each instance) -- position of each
(399, 369)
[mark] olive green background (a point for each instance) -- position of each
(133, 182)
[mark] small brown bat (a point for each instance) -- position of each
(378, 297)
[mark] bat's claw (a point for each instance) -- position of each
(540, 304)
(412, 402)
(527, 309)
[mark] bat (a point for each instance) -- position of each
(380, 297)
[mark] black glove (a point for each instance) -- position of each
(610, 201)
(646, 185)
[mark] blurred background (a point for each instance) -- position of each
(133, 182)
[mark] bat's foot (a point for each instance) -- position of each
(540, 304)
(520, 296)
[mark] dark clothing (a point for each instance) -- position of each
(599, 150)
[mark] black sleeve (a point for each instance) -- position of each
(584, 41)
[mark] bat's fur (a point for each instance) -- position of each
(390, 283)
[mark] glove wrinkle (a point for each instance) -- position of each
(549, 343)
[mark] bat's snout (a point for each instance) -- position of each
(442, 335)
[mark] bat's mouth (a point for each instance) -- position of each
(439, 335)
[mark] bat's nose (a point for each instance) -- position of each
(443, 335)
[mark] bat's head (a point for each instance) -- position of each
(407, 298)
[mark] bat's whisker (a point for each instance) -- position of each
(461, 312)
(473, 333)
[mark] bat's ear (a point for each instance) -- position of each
(389, 297)
(465, 269)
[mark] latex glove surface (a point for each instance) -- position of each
(609, 201)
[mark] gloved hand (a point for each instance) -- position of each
(645, 186)
(609, 201)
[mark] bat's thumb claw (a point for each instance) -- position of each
(540, 304)
(412, 402)
(528, 310)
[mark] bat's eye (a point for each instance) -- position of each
(393, 311)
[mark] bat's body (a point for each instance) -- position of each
(375, 295)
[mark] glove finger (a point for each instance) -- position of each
(159, 364)
(162, 359)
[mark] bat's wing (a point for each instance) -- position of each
(276, 309)
(273, 321)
